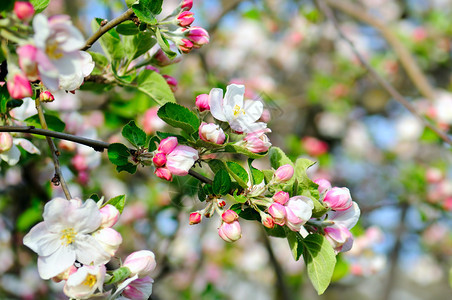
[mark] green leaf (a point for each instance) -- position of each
(216, 165)
(163, 43)
(248, 213)
(95, 197)
(138, 44)
(154, 85)
(232, 148)
(268, 175)
(153, 143)
(39, 5)
(129, 167)
(164, 135)
(53, 122)
(201, 193)
(147, 9)
(127, 28)
(5, 99)
(278, 158)
(6, 5)
(100, 63)
(295, 242)
(119, 202)
(238, 173)
(256, 175)
(320, 260)
(221, 183)
(136, 136)
(179, 116)
(119, 275)
(118, 154)
(277, 231)
(29, 217)
(110, 42)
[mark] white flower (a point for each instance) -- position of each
(241, 115)
(83, 283)
(65, 236)
(12, 155)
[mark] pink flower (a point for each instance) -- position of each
(202, 102)
(298, 212)
(139, 289)
(187, 4)
(185, 45)
(18, 85)
(338, 234)
(82, 283)
(185, 18)
(314, 147)
(283, 173)
(267, 220)
(159, 160)
(140, 263)
(181, 159)
(24, 10)
(338, 198)
(195, 218)
(230, 232)
(6, 141)
(324, 185)
(28, 60)
(167, 145)
(199, 36)
(152, 68)
(229, 216)
(278, 212)
(46, 96)
(164, 173)
(281, 197)
(211, 133)
(257, 141)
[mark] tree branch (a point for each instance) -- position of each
(406, 59)
(127, 15)
(382, 81)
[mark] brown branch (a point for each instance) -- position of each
(127, 15)
(406, 59)
(58, 179)
(382, 81)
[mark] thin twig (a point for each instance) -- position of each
(95, 144)
(127, 15)
(406, 59)
(382, 81)
(58, 174)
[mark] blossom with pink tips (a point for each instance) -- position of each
(229, 216)
(24, 10)
(195, 218)
(167, 145)
(257, 141)
(283, 173)
(281, 197)
(110, 215)
(185, 18)
(28, 61)
(338, 234)
(267, 220)
(139, 289)
(17, 83)
(163, 173)
(230, 232)
(172, 82)
(314, 146)
(185, 45)
(202, 102)
(187, 4)
(298, 212)
(6, 141)
(324, 185)
(278, 212)
(46, 96)
(338, 198)
(212, 133)
(198, 35)
(159, 159)
(140, 263)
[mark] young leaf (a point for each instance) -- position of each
(53, 122)
(295, 242)
(118, 154)
(278, 158)
(277, 231)
(153, 143)
(238, 172)
(119, 275)
(163, 43)
(127, 28)
(154, 85)
(232, 148)
(39, 5)
(129, 167)
(256, 175)
(247, 213)
(118, 202)
(320, 260)
(136, 136)
(179, 116)
(138, 44)
(221, 183)
(146, 10)
(201, 194)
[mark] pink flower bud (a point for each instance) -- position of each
(185, 18)
(46, 96)
(257, 142)
(151, 122)
(187, 4)
(139, 289)
(181, 159)
(152, 68)
(283, 173)
(314, 147)
(18, 86)
(202, 102)
(281, 197)
(230, 216)
(159, 160)
(109, 239)
(338, 198)
(267, 220)
(298, 212)
(278, 212)
(140, 263)
(6, 141)
(434, 175)
(185, 46)
(172, 82)
(211, 133)
(324, 185)
(27, 60)
(110, 215)
(167, 145)
(161, 60)
(339, 237)
(230, 232)
(24, 10)
(164, 173)
(195, 218)
(199, 36)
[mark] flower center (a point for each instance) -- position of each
(68, 236)
(52, 51)
(90, 280)
(238, 110)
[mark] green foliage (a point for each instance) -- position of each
(163, 43)
(146, 10)
(136, 136)
(4, 99)
(164, 135)
(119, 155)
(119, 275)
(277, 231)
(246, 213)
(278, 158)
(53, 122)
(179, 116)
(221, 183)
(110, 42)
(238, 173)
(30, 216)
(138, 44)
(6, 5)
(257, 176)
(231, 147)
(154, 85)
(118, 202)
(127, 28)
(153, 141)
(39, 5)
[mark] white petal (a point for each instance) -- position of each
(216, 104)
(27, 145)
(234, 95)
(41, 241)
(41, 29)
(58, 262)
(87, 63)
(347, 218)
(253, 109)
(55, 214)
(11, 156)
(89, 251)
(87, 218)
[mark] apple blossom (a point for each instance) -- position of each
(195, 218)
(267, 220)
(338, 198)
(140, 263)
(17, 83)
(187, 4)
(28, 63)
(202, 102)
(185, 45)
(110, 215)
(281, 197)
(278, 212)
(164, 173)
(283, 173)
(65, 236)
(298, 212)
(159, 159)
(257, 141)
(12, 155)
(138, 289)
(109, 239)
(185, 18)
(172, 82)
(181, 159)
(324, 185)
(24, 10)
(241, 115)
(229, 216)
(199, 36)
(6, 141)
(85, 281)
(230, 232)
(211, 133)
(167, 145)
(46, 96)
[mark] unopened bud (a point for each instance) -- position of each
(338, 198)
(267, 220)
(46, 96)
(211, 133)
(230, 232)
(229, 216)
(187, 4)
(6, 141)
(140, 263)
(185, 18)
(172, 82)
(202, 102)
(185, 46)
(278, 212)
(281, 197)
(159, 160)
(324, 185)
(199, 36)
(24, 10)
(18, 86)
(110, 215)
(283, 173)
(164, 173)
(167, 145)
(195, 218)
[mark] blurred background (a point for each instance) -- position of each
(321, 103)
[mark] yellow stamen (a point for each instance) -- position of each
(68, 236)
(90, 280)
(238, 110)
(52, 51)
